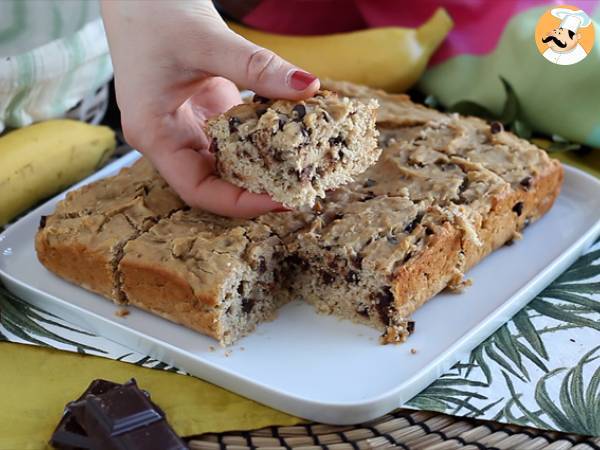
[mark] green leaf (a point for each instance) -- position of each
(582, 288)
(528, 331)
(457, 382)
(477, 356)
(450, 392)
(428, 403)
(487, 407)
(531, 416)
(562, 294)
(511, 103)
(521, 129)
(498, 359)
(555, 312)
(531, 356)
(585, 260)
(469, 108)
(506, 344)
(577, 274)
(549, 406)
(22, 320)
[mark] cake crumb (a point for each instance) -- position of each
(122, 312)
(413, 350)
(211, 348)
(242, 349)
(227, 353)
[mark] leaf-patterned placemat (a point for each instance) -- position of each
(541, 369)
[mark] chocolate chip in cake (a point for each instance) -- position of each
(406, 257)
(247, 305)
(281, 122)
(384, 299)
(278, 156)
(364, 311)
(412, 225)
(306, 174)
(357, 261)
(370, 195)
(428, 231)
(233, 124)
(213, 147)
(42, 222)
(260, 99)
(327, 277)
(410, 326)
(369, 183)
(326, 117)
(262, 264)
(338, 216)
(496, 127)
(392, 239)
(352, 277)
(260, 112)
(518, 208)
(298, 112)
(336, 140)
(526, 182)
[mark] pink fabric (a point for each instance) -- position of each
(304, 17)
(478, 24)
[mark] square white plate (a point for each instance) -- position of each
(315, 366)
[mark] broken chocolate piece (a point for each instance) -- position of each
(42, 222)
(410, 326)
(117, 417)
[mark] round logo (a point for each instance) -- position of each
(564, 35)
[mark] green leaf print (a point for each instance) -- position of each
(27, 323)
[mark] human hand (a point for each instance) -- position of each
(175, 66)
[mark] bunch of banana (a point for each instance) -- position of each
(43, 159)
(391, 58)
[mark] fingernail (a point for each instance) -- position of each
(300, 80)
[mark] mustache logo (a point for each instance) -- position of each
(555, 40)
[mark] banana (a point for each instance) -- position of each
(45, 158)
(391, 58)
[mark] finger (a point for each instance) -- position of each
(258, 69)
(191, 174)
(215, 95)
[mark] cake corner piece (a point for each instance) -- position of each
(295, 150)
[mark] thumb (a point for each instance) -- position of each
(256, 68)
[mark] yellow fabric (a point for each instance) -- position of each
(36, 383)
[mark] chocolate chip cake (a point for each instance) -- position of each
(446, 191)
(295, 151)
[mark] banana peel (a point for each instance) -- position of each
(45, 158)
(390, 58)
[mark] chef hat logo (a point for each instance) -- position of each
(564, 35)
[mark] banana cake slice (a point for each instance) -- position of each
(295, 151)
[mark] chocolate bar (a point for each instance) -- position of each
(111, 416)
